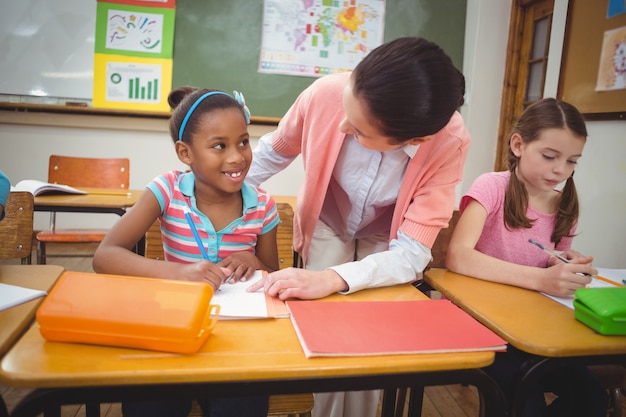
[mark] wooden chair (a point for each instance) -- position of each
(440, 247)
(112, 173)
(16, 228)
(292, 405)
(284, 235)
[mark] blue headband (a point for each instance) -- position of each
(238, 97)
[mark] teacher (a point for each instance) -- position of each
(383, 148)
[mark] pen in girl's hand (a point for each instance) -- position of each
(563, 259)
(550, 252)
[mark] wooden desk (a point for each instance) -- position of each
(96, 202)
(531, 322)
(241, 357)
(88, 203)
(15, 320)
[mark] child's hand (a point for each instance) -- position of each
(204, 271)
(576, 257)
(563, 279)
(242, 265)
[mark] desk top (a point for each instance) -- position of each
(98, 198)
(14, 320)
(527, 319)
(237, 350)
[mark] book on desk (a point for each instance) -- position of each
(36, 187)
(329, 328)
(41, 188)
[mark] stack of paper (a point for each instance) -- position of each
(328, 328)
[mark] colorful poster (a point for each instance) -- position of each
(132, 30)
(612, 67)
(319, 37)
(134, 54)
(131, 83)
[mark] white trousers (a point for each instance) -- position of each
(327, 249)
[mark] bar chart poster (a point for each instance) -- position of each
(130, 83)
(133, 54)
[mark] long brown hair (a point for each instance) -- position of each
(544, 114)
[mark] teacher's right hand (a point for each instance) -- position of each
(301, 283)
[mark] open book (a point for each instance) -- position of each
(360, 328)
(36, 187)
(237, 303)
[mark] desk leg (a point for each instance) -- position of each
(534, 369)
(492, 401)
(92, 409)
(388, 406)
(4, 412)
(140, 248)
(416, 401)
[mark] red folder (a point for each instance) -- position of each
(329, 328)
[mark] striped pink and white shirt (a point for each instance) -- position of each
(175, 190)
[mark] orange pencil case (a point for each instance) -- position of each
(115, 310)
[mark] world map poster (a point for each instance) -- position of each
(319, 37)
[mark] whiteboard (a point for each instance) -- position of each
(47, 48)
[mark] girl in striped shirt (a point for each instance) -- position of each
(214, 226)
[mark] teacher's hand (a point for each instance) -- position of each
(301, 283)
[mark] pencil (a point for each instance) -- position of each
(608, 281)
(561, 258)
(196, 236)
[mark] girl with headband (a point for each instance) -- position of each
(214, 226)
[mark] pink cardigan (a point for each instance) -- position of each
(427, 194)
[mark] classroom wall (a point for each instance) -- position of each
(26, 140)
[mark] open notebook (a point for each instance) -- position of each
(36, 187)
(237, 303)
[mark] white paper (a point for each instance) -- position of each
(12, 295)
(236, 302)
(616, 275)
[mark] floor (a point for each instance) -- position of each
(439, 401)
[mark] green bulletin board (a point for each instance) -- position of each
(217, 45)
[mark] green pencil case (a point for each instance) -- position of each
(602, 309)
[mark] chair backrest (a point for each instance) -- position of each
(16, 229)
(284, 237)
(440, 247)
(154, 244)
(89, 172)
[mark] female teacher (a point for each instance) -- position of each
(383, 148)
